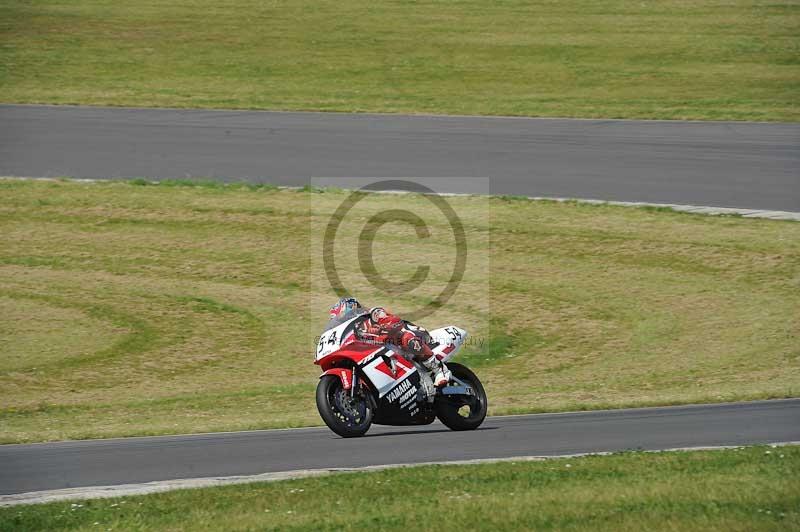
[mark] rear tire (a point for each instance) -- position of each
(451, 410)
(348, 417)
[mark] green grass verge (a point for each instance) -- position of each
(130, 309)
(733, 60)
(732, 490)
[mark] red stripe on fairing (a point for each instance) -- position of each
(446, 351)
(355, 351)
(402, 367)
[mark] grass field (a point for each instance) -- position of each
(130, 309)
(675, 59)
(735, 490)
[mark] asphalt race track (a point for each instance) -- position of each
(48, 466)
(721, 164)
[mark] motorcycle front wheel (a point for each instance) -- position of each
(463, 412)
(347, 416)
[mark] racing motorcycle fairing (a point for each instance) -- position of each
(401, 405)
(394, 382)
(386, 370)
(335, 338)
(350, 354)
(446, 341)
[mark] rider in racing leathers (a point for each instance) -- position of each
(384, 328)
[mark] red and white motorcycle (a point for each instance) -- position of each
(364, 383)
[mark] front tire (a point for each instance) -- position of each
(463, 412)
(347, 416)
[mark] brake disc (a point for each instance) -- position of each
(354, 410)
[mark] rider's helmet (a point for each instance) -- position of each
(343, 307)
(377, 314)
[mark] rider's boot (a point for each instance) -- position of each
(423, 353)
(441, 375)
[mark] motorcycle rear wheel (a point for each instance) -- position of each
(463, 412)
(347, 416)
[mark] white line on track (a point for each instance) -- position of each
(692, 209)
(102, 492)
